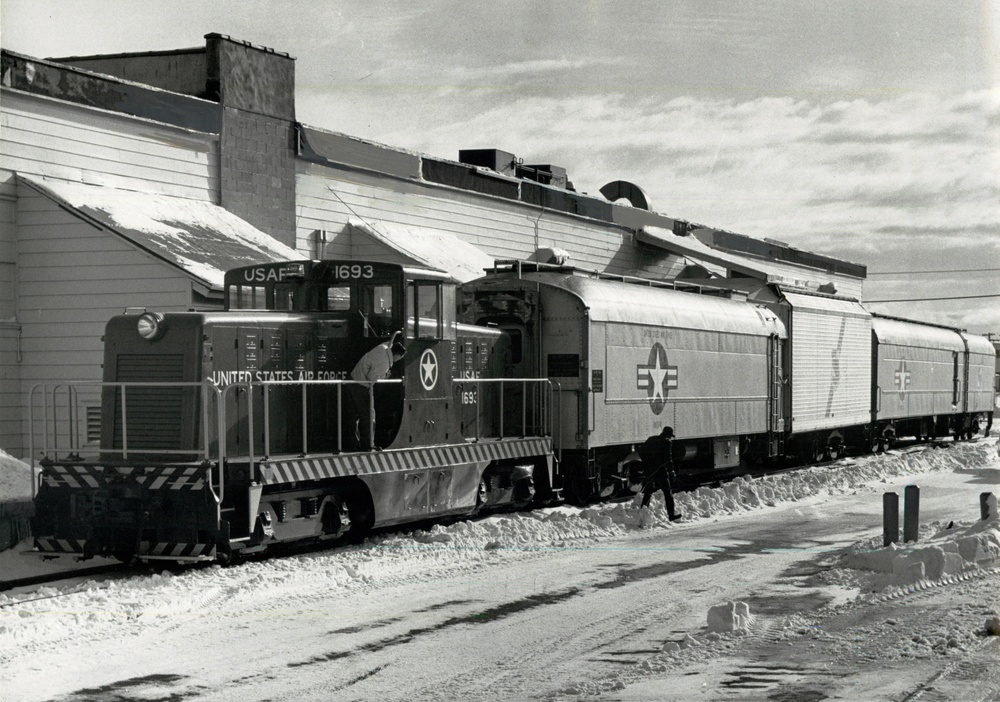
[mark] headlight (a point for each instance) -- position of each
(150, 326)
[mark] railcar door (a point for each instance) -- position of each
(430, 347)
(565, 322)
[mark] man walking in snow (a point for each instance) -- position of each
(657, 454)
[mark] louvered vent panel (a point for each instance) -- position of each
(154, 415)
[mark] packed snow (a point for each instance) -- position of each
(959, 552)
(15, 479)
(203, 238)
(940, 551)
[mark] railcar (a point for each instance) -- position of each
(929, 381)
(827, 374)
(786, 374)
(627, 357)
(229, 432)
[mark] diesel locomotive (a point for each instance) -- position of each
(227, 433)
(224, 433)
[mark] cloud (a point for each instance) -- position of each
(876, 182)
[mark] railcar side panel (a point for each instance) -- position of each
(831, 349)
(701, 383)
(917, 369)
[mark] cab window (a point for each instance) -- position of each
(376, 307)
(248, 297)
(426, 299)
(284, 297)
(338, 298)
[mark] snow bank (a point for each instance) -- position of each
(566, 526)
(15, 479)
(939, 552)
(561, 526)
(844, 477)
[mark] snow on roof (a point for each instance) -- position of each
(202, 239)
(15, 479)
(430, 247)
(778, 272)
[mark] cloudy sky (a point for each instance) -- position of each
(864, 129)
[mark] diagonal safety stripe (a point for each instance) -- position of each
(183, 477)
(285, 471)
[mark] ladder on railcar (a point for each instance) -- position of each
(775, 427)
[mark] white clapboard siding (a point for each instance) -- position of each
(72, 278)
(10, 392)
(327, 198)
(42, 136)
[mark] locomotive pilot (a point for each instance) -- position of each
(375, 365)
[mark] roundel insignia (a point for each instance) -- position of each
(428, 369)
(902, 379)
(656, 377)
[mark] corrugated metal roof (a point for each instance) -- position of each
(979, 344)
(833, 305)
(901, 333)
(202, 239)
(429, 247)
(611, 301)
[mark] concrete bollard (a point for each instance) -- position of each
(987, 505)
(890, 518)
(911, 513)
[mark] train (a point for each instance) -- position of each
(226, 434)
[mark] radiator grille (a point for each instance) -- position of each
(154, 415)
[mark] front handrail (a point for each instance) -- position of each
(53, 431)
(63, 401)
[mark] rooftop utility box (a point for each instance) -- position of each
(545, 174)
(495, 159)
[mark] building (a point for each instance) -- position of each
(134, 180)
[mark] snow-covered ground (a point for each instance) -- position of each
(777, 588)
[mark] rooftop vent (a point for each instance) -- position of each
(494, 159)
(546, 174)
(507, 164)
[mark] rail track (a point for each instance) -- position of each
(129, 570)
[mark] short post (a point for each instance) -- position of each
(890, 518)
(911, 513)
(987, 505)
